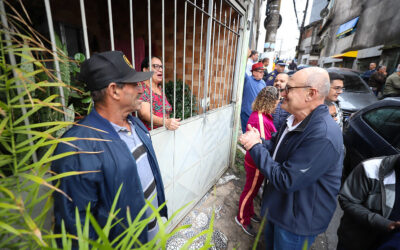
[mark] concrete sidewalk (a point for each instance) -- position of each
(223, 198)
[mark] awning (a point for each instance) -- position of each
(347, 27)
(347, 54)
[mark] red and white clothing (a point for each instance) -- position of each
(254, 178)
(157, 102)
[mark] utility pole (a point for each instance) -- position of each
(301, 31)
(272, 22)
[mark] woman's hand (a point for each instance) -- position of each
(172, 123)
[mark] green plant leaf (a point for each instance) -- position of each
(8, 206)
(87, 100)
(79, 57)
(8, 228)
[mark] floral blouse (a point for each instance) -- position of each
(157, 105)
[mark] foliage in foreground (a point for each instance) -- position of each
(129, 238)
(31, 116)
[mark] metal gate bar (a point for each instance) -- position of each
(201, 48)
(163, 57)
(184, 64)
(151, 80)
(218, 61)
(110, 24)
(194, 43)
(223, 54)
(208, 67)
(55, 53)
(84, 27)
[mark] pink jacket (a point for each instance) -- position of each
(268, 129)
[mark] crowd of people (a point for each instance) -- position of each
(301, 164)
(292, 135)
(382, 85)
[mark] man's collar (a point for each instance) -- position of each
(303, 124)
(289, 123)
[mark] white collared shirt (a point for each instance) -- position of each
(289, 127)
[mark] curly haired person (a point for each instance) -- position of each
(261, 118)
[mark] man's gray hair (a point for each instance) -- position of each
(99, 95)
(319, 78)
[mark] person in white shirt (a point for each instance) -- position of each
(253, 58)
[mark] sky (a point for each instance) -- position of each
(288, 33)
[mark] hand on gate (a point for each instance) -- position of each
(172, 123)
(250, 138)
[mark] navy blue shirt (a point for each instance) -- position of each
(367, 74)
(271, 78)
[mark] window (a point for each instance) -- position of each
(354, 83)
(386, 122)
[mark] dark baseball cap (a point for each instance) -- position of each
(281, 63)
(107, 67)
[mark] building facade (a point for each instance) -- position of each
(357, 32)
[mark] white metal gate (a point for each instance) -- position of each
(207, 56)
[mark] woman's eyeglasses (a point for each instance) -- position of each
(157, 66)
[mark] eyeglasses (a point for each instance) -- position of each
(338, 88)
(157, 66)
(287, 88)
(334, 115)
(259, 71)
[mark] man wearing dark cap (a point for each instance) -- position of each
(252, 85)
(336, 89)
(119, 152)
(279, 68)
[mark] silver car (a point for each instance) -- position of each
(356, 94)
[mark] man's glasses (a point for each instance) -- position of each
(157, 66)
(259, 71)
(338, 88)
(288, 88)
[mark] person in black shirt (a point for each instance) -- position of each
(370, 199)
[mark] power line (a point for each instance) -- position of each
(295, 12)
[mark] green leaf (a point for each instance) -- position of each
(86, 100)
(70, 173)
(8, 228)
(3, 124)
(8, 206)
(79, 57)
(34, 109)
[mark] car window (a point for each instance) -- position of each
(386, 122)
(354, 83)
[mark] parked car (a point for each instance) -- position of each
(356, 94)
(299, 67)
(373, 131)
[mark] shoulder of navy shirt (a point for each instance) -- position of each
(115, 165)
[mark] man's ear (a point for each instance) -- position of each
(113, 91)
(311, 93)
